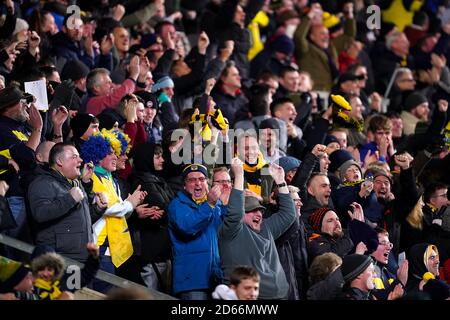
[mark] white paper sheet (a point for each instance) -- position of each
(39, 90)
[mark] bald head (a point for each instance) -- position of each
(320, 36)
(43, 151)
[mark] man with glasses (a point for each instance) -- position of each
(435, 198)
(194, 218)
(222, 178)
(387, 285)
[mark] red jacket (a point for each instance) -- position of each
(137, 134)
(97, 104)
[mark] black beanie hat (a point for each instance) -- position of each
(81, 122)
(353, 265)
(74, 70)
(270, 123)
(413, 100)
(329, 139)
(337, 159)
(150, 100)
(283, 44)
(106, 120)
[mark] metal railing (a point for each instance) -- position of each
(101, 275)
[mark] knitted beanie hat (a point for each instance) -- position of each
(413, 100)
(81, 122)
(344, 167)
(353, 265)
(315, 219)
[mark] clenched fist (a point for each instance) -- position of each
(77, 194)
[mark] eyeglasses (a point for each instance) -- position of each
(222, 181)
(363, 76)
(386, 244)
(194, 180)
(444, 195)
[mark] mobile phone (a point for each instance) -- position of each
(29, 97)
(401, 258)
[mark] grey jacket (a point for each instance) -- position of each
(61, 222)
(241, 245)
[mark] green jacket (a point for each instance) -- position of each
(314, 60)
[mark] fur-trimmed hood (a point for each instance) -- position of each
(50, 259)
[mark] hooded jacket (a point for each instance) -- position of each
(193, 231)
(151, 237)
(417, 268)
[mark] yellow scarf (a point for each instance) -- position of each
(256, 188)
(200, 201)
(116, 228)
(48, 290)
(379, 285)
(433, 208)
(352, 183)
(255, 167)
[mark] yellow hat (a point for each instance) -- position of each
(11, 274)
(330, 21)
(341, 102)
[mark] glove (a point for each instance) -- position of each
(63, 94)
(163, 98)
(436, 145)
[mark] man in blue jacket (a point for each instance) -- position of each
(194, 219)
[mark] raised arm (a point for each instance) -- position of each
(233, 221)
(280, 221)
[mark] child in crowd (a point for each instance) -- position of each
(244, 285)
